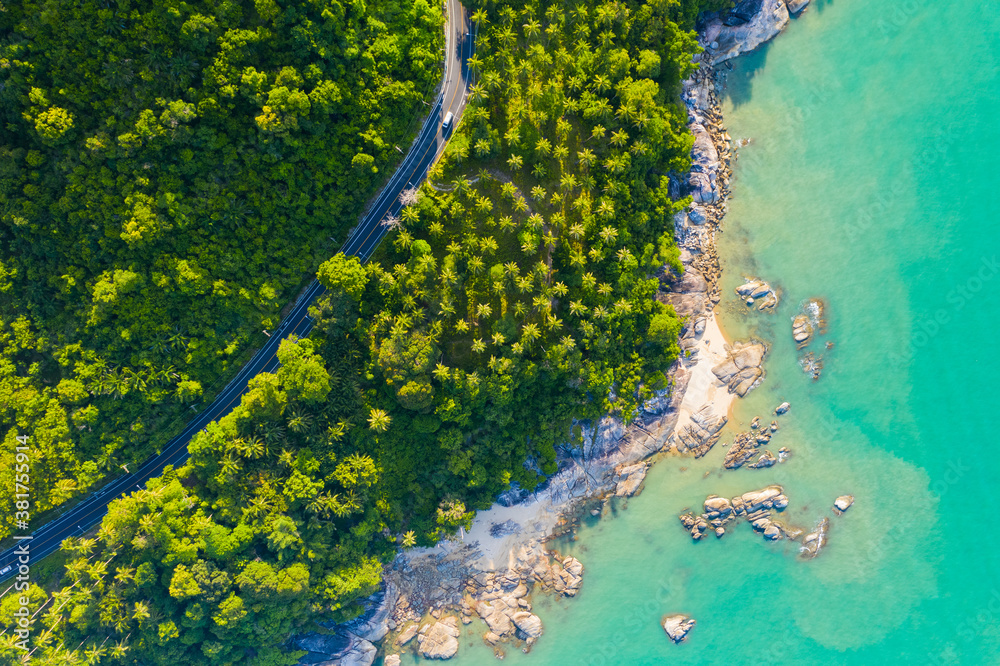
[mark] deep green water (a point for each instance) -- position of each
(871, 182)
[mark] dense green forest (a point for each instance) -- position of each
(518, 292)
(169, 173)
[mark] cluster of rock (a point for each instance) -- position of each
(501, 599)
(745, 446)
(810, 320)
(447, 586)
(759, 293)
(742, 371)
(712, 156)
(756, 506)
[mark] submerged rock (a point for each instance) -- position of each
(815, 541)
(406, 635)
(678, 626)
(843, 503)
(766, 459)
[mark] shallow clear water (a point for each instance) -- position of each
(870, 182)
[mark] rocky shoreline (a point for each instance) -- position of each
(491, 573)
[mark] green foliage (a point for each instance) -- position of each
(518, 296)
(169, 173)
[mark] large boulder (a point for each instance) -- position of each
(700, 434)
(688, 294)
(629, 478)
(678, 626)
(843, 503)
(731, 40)
(796, 6)
(802, 330)
(704, 155)
(717, 507)
(761, 499)
(702, 189)
(742, 370)
(439, 640)
(743, 12)
(529, 624)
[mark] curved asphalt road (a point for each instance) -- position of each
(362, 243)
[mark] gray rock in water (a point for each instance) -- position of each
(766, 459)
(718, 507)
(528, 624)
(843, 503)
(391, 660)
(678, 626)
(761, 499)
(796, 6)
(814, 542)
(782, 408)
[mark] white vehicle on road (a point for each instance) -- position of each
(446, 125)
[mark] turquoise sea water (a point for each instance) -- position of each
(872, 182)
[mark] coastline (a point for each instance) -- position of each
(490, 572)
